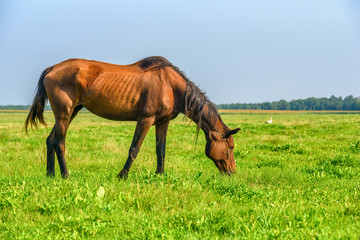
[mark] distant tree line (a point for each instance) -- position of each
(19, 107)
(333, 103)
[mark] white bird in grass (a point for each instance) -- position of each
(269, 121)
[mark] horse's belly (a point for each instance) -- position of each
(114, 108)
(113, 112)
(119, 116)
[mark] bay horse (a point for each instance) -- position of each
(151, 91)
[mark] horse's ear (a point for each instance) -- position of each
(231, 132)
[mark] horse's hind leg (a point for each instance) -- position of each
(56, 144)
(50, 153)
(50, 143)
(61, 127)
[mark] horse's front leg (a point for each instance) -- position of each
(161, 132)
(142, 127)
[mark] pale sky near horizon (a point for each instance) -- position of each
(236, 51)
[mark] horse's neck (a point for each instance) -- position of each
(208, 125)
(199, 109)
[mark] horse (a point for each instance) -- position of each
(151, 92)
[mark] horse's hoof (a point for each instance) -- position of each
(122, 175)
(65, 176)
(50, 174)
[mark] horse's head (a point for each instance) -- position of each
(219, 148)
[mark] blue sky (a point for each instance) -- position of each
(236, 51)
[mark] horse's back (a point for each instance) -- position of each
(111, 91)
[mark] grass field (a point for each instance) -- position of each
(297, 178)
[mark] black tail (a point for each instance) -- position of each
(37, 108)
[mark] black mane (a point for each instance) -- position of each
(154, 62)
(195, 103)
(195, 100)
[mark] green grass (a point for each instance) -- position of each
(297, 178)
